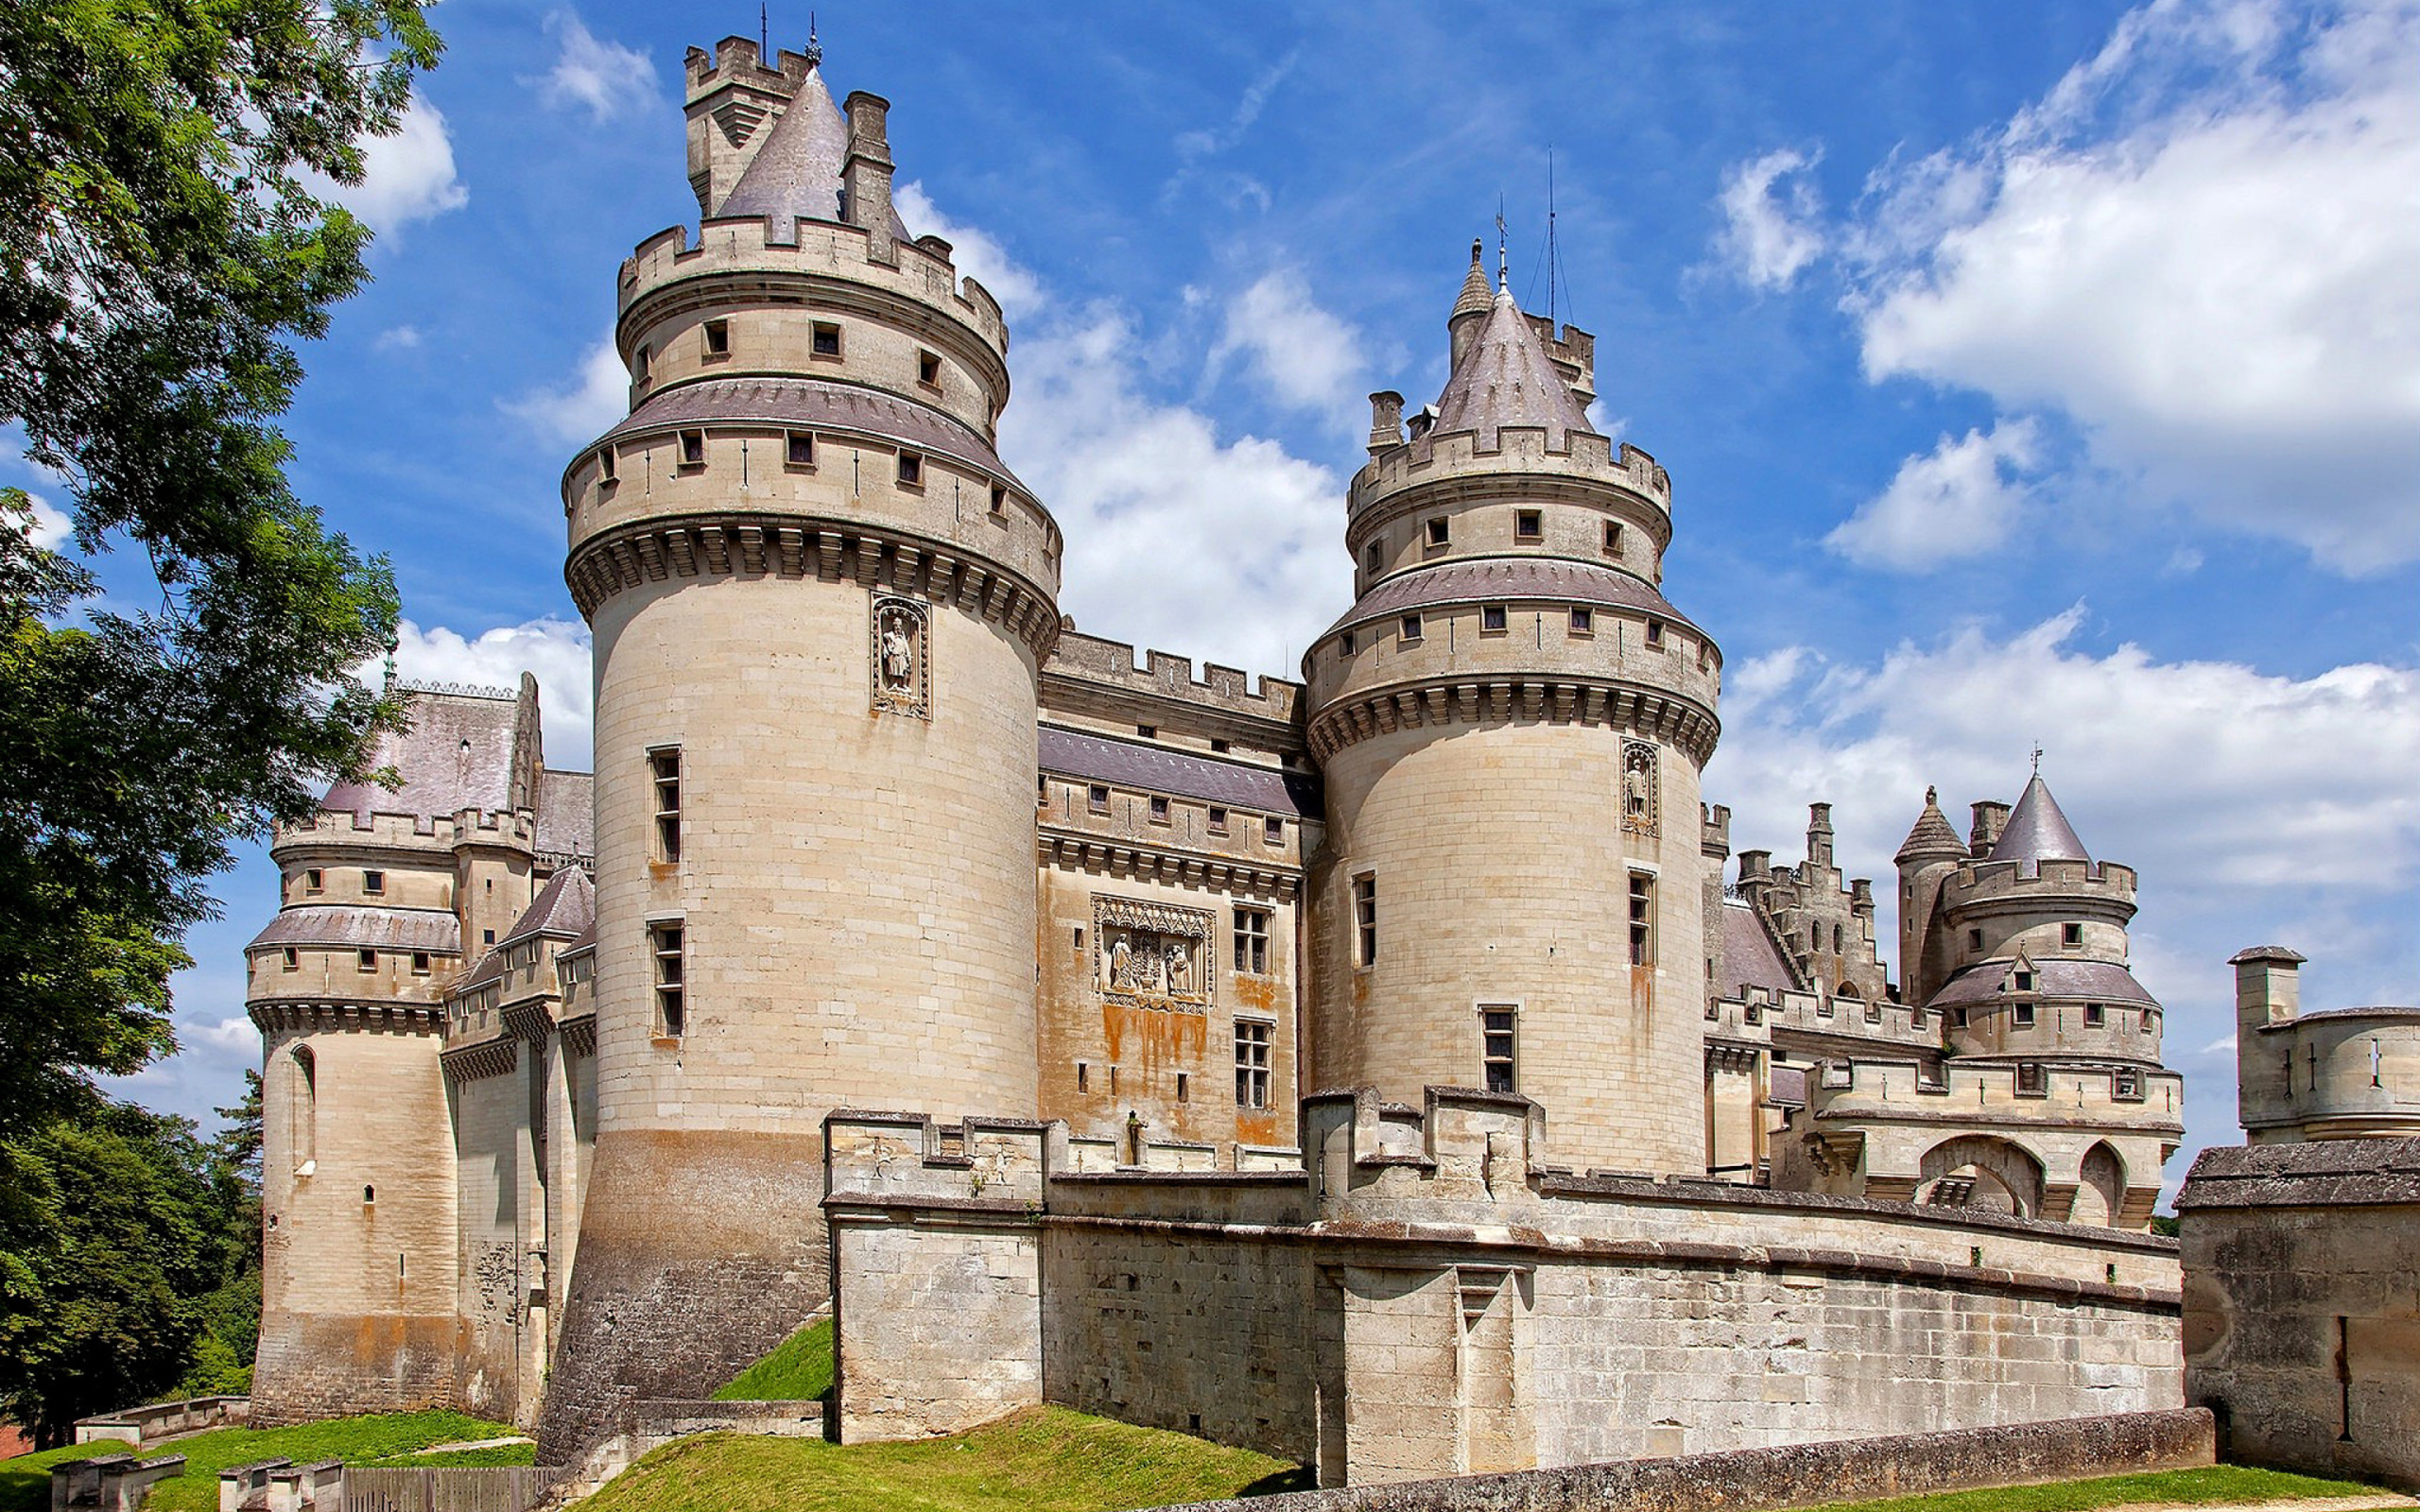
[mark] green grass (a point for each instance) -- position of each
(799, 1369)
(25, 1481)
(2215, 1485)
(494, 1454)
(1046, 1459)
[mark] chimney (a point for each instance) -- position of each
(1714, 831)
(865, 177)
(1990, 818)
(1818, 835)
(2268, 985)
(1385, 420)
(2268, 990)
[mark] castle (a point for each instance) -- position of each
(892, 897)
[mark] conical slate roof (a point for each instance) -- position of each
(1475, 299)
(1507, 378)
(1932, 835)
(796, 174)
(2037, 831)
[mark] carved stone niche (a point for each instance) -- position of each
(903, 661)
(1153, 956)
(1641, 796)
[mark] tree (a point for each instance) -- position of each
(160, 256)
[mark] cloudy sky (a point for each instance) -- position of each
(2044, 373)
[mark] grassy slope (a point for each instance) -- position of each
(25, 1481)
(799, 1369)
(1046, 1459)
(2218, 1484)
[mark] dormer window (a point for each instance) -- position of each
(718, 339)
(2023, 982)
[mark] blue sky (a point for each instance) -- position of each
(2045, 372)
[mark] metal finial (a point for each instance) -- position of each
(1503, 276)
(814, 48)
(2037, 758)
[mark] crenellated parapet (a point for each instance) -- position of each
(1755, 1014)
(893, 1156)
(1586, 464)
(1979, 886)
(1158, 676)
(1959, 1092)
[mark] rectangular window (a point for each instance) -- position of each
(693, 449)
(1159, 809)
(718, 339)
(1915, 1018)
(2096, 1015)
(1642, 919)
(911, 470)
(824, 339)
(1084, 1078)
(1498, 1072)
(664, 771)
(2071, 934)
(1147, 732)
(1375, 557)
(2023, 1017)
(1219, 746)
(671, 1015)
(1348, 642)
(1218, 819)
(1252, 1064)
(2151, 1022)
(1096, 799)
(801, 449)
(419, 963)
(2028, 1078)
(2024, 981)
(1273, 830)
(1252, 941)
(1974, 939)
(1528, 524)
(369, 960)
(1440, 531)
(1410, 628)
(1492, 618)
(293, 958)
(1612, 538)
(373, 882)
(1183, 1088)
(1077, 953)
(1365, 918)
(928, 369)
(999, 498)
(641, 362)
(312, 881)
(2128, 1084)
(1958, 1017)
(1654, 633)
(1584, 621)
(605, 464)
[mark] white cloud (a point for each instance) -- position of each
(398, 338)
(976, 253)
(557, 652)
(605, 78)
(2204, 244)
(596, 398)
(1960, 500)
(46, 527)
(1308, 358)
(229, 1035)
(407, 177)
(1770, 219)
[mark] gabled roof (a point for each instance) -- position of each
(566, 812)
(1750, 957)
(458, 754)
(1509, 378)
(1932, 835)
(796, 175)
(2037, 832)
(563, 907)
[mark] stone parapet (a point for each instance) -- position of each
(1441, 462)
(1977, 887)
(1081, 664)
(1754, 1016)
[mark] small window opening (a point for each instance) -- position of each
(642, 362)
(1958, 1017)
(369, 960)
(2151, 1022)
(311, 879)
(1642, 919)
(373, 882)
(419, 963)
(672, 1017)
(1159, 809)
(693, 449)
(1183, 1088)
(824, 339)
(1274, 830)
(293, 959)
(2024, 981)
(1491, 618)
(1365, 918)
(1612, 538)
(1079, 951)
(1252, 941)
(605, 464)
(1974, 939)
(1096, 799)
(1411, 628)
(369, 1194)
(1348, 642)
(1655, 632)
(1251, 1065)
(1219, 746)
(801, 449)
(1498, 1049)
(1084, 1078)
(1584, 621)
(718, 339)
(664, 772)
(999, 498)
(1147, 732)
(1375, 557)
(928, 369)
(2071, 936)
(2096, 1015)
(1218, 819)
(2023, 1017)
(1441, 532)
(911, 470)
(1528, 524)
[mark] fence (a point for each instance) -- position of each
(446, 1488)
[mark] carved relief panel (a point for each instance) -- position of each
(1153, 955)
(1641, 800)
(903, 673)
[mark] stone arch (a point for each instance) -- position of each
(1848, 989)
(2100, 1187)
(303, 1127)
(1982, 1171)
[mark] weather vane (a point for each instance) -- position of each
(1503, 275)
(814, 48)
(2037, 758)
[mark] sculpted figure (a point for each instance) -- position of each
(898, 655)
(1121, 966)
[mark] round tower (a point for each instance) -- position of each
(819, 601)
(1512, 721)
(1928, 857)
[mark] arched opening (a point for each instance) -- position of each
(2101, 1190)
(303, 1120)
(1847, 989)
(1981, 1172)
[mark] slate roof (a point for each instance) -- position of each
(813, 404)
(456, 754)
(1475, 297)
(1158, 769)
(2100, 981)
(568, 813)
(354, 927)
(1787, 1084)
(1749, 957)
(1932, 834)
(563, 907)
(2037, 831)
(1509, 378)
(796, 174)
(1492, 580)
(2324, 1173)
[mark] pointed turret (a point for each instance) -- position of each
(1470, 309)
(1931, 839)
(2037, 831)
(800, 171)
(1508, 377)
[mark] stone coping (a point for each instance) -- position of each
(1698, 1190)
(2323, 1172)
(2388, 1012)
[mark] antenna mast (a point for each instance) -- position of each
(1553, 257)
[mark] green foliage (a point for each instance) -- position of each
(160, 256)
(2214, 1486)
(799, 1369)
(2164, 1224)
(1046, 1459)
(25, 1481)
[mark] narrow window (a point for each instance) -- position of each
(1251, 1065)
(1218, 819)
(2071, 936)
(663, 770)
(1183, 1088)
(718, 339)
(1440, 531)
(1584, 621)
(1252, 941)
(1365, 918)
(1654, 633)
(1491, 618)
(1612, 538)
(1273, 830)
(641, 362)
(1159, 809)
(605, 464)
(801, 449)
(373, 882)
(999, 499)
(671, 1018)
(2151, 1022)
(1113, 1081)
(311, 879)
(1374, 558)
(911, 470)
(1958, 1017)
(1836, 939)
(824, 339)
(1084, 1078)
(1497, 1049)
(419, 963)
(1348, 642)
(1096, 799)
(929, 369)
(370, 1196)
(1410, 628)
(1528, 524)
(369, 960)
(2096, 1015)
(1642, 919)
(1915, 1018)
(2024, 1016)
(693, 449)
(1078, 953)
(293, 959)
(1974, 939)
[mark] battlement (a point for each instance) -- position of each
(382, 830)
(919, 273)
(1439, 457)
(1115, 665)
(2047, 1092)
(738, 60)
(1460, 1142)
(1573, 353)
(993, 1162)
(1755, 1014)
(1980, 882)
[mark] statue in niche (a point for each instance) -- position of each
(902, 671)
(1121, 966)
(1179, 969)
(1639, 797)
(1149, 954)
